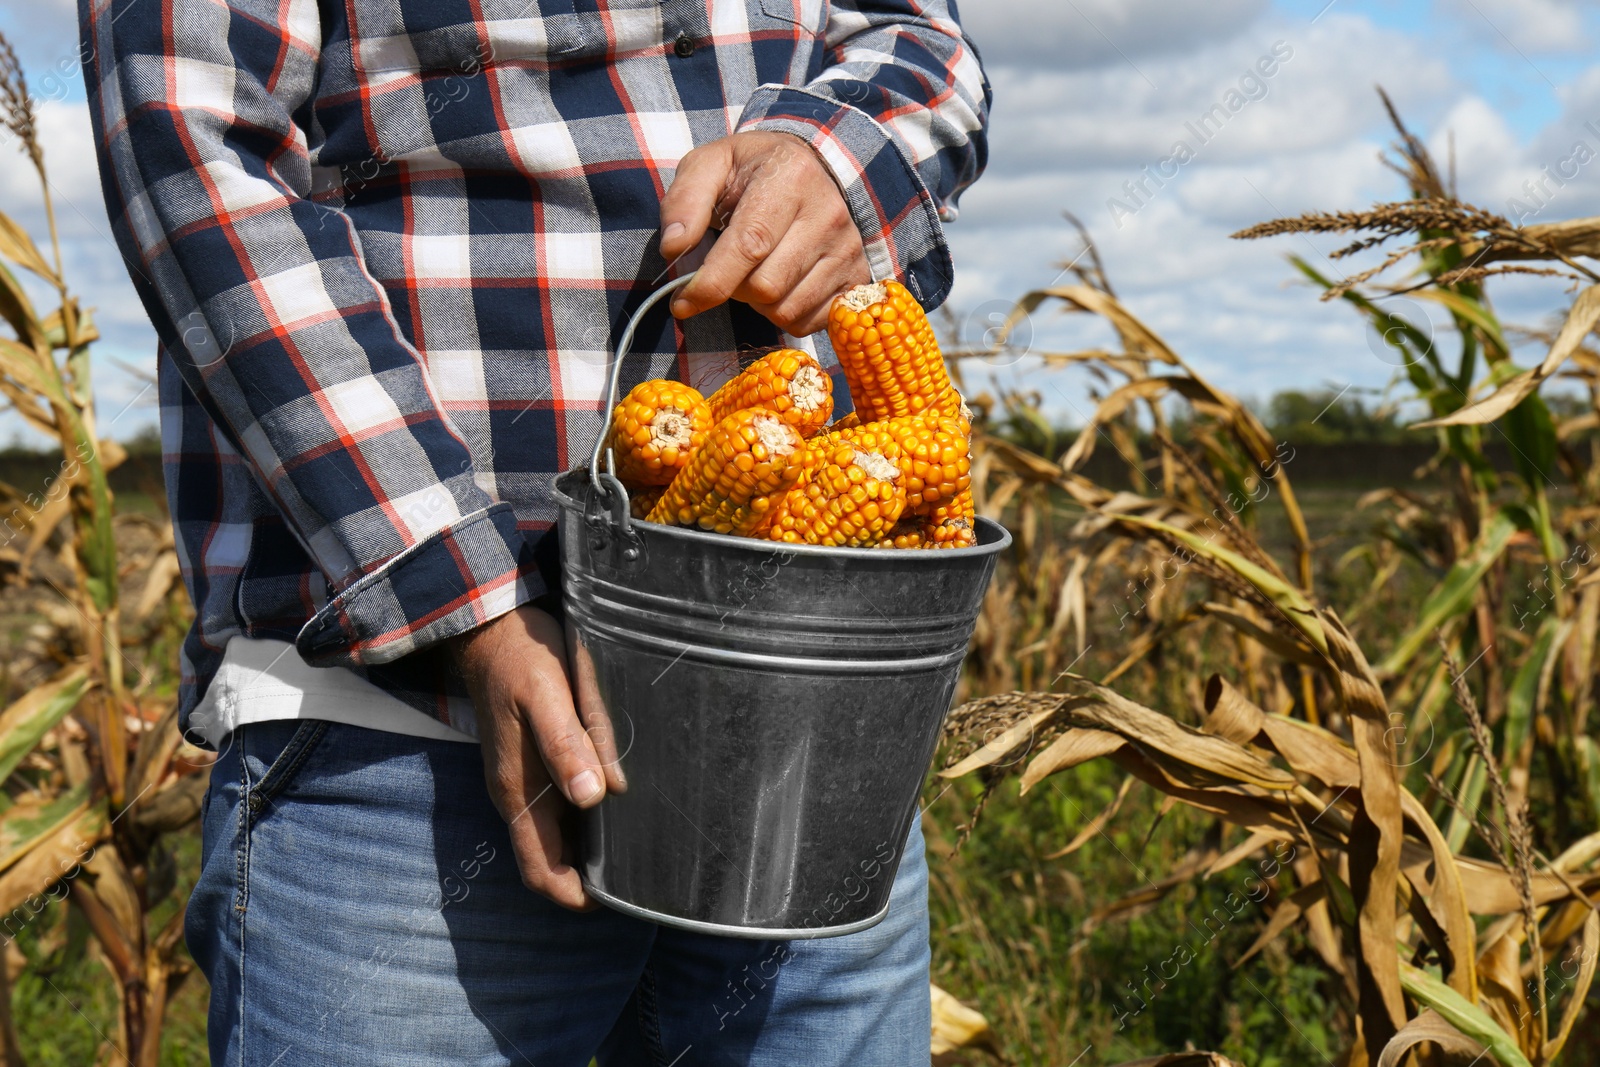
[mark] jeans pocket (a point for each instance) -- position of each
(273, 753)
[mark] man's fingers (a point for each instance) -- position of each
(687, 207)
(531, 807)
(803, 310)
(536, 839)
(773, 280)
(763, 216)
(566, 747)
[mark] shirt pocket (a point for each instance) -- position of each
(419, 36)
(809, 15)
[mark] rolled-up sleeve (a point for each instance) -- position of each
(263, 299)
(899, 116)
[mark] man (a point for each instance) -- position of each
(387, 245)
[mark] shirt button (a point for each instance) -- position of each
(684, 46)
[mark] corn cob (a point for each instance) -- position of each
(848, 494)
(735, 478)
(951, 533)
(655, 429)
(907, 533)
(958, 509)
(789, 383)
(889, 355)
(935, 464)
(912, 532)
(643, 499)
(848, 421)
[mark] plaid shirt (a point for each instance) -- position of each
(387, 246)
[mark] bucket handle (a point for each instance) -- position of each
(608, 484)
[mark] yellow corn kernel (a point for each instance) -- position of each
(907, 533)
(958, 509)
(889, 355)
(846, 422)
(951, 533)
(655, 429)
(736, 477)
(935, 459)
(643, 499)
(848, 493)
(789, 383)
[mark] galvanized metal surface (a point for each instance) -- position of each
(773, 707)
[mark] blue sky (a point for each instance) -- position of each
(1087, 93)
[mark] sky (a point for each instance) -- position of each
(1088, 93)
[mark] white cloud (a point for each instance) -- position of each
(1523, 25)
(1072, 34)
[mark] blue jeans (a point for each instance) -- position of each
(359, 904)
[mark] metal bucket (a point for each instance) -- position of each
(773, 708)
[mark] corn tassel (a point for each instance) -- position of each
(789, 383)
(849, 493)
(890, 357)
(655, 429)
(734, 479)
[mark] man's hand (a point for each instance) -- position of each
(536, 755)
(788, 245)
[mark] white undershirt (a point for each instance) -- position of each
(262, 680)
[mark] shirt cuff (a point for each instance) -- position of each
(897, 216)
(460, 577)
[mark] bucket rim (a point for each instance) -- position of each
(993, 538)
(748, 933)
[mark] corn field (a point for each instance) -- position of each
(1408, 781)
(94, 776)
(1449, 889)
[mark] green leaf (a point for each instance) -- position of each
(1460, 1013)
(1289, 599)
(1453, 595)
(1531, 435)
(1589, 760)
(1473, 311)
(33, 819)
(1525, 689)
(27, 720)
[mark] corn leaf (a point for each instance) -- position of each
(1590, 949)
(1290, 600)
(1005, 745)
(955, 1025)
(1525, 688)
(1183, 747)
(26, 721)
(53, 856)
(17, 309)
(1077, 745)
(35, 818)
(18, 247)
(1453, 595)
(1581, 319)
(1428, 1028)
(1462, 1014)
